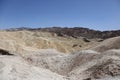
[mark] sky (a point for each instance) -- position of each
(93, 14)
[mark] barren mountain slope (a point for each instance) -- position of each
(74, 32)
(34, 55)
(19, 41)
(83, 65)
(111, 43)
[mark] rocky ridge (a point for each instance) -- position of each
(74, 32)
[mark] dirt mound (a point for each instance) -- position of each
(101, 66)
(112, 43)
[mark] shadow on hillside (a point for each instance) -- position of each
(5, 52)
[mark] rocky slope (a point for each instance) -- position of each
(36, 55)
(15, 68)
(52, 65)
(19, 41)
(111, 43)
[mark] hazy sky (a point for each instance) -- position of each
(94, 14)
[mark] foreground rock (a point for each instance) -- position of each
(15, 68)
(83, 65)
(48, 64)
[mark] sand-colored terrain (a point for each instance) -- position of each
(18, 41)
(34, 55)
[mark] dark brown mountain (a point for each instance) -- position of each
(74, 32)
